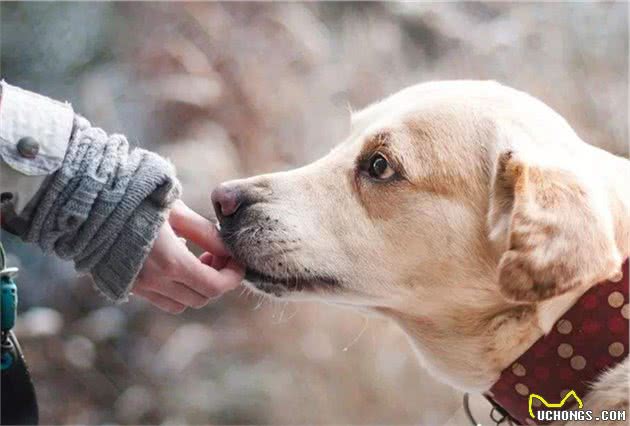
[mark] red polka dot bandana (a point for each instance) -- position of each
(589, 338)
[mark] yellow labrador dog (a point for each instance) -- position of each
(469, 212)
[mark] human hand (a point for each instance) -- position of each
(172, 278)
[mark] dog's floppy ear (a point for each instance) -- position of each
(548, 230)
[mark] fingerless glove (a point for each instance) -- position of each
(103, 208)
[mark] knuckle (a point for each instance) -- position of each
(171, 264)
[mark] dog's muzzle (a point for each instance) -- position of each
(261, 242)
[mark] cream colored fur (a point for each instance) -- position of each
(502, 217)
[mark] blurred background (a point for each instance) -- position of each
(234, 89)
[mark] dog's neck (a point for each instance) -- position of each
(473, 333)
(468, 338)
(619, 196)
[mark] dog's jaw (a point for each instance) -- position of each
(281, 286)
(273, 255)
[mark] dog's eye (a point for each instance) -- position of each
(379, 168)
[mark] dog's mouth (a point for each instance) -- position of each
(247, 250)
(277, 286)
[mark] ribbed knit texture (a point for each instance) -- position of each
(103, 208)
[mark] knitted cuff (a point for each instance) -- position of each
(116, 272)
(103, 208)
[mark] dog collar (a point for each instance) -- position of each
(591, 337)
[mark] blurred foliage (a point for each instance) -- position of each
(228, 90)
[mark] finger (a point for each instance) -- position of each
(162, 302)
(211, 282)
(180, 293)
(196, 228)
(216, 262)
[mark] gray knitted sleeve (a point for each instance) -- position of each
(103, 208)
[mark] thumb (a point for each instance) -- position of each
(196, 228)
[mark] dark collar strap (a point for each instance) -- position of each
(590, 338)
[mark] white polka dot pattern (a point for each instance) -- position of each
(518, 370)
(616, 349)
(565, 350)
(521, 389)
(564, 326)
(591, 337)
(578, 362)
(615, 299)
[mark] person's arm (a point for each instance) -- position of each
(105, 206)
(34, 135)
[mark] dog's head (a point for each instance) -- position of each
(434, 188)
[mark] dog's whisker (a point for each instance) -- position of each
(260, 302)
(284, 305)
(295, 311)
(243, 290)
(358, 336)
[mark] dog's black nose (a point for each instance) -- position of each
(226, 200)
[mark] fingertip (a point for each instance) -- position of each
(201, 304)
(233, 274)
(177, 310)
(206, 258)
(217, 245)
(214, 261)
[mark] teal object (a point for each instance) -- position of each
(9, 302)
(19, 402)
(9, 295)
(7, 360)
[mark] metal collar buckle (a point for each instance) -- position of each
(497, 415)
